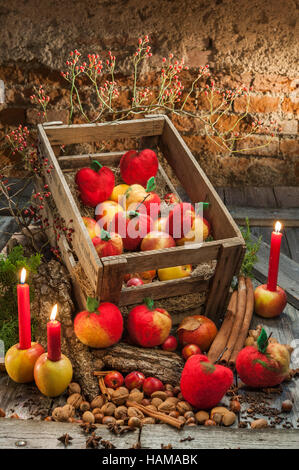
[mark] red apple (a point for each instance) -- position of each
(157, 241)
(19, 363)
(199, 231)
(132, 226)
(105, 213)
(148, 326)
(170, 344)
(134, 380)
(171, 198)
(160, 224)
(197, 329)
(269, 304)
(135, 281)
(151, 385)
(108, 244)
(180, 220)
(138, 167)
(190, 350)
(100, 326)
(52, 377)
(145, 276)
(114, 379)
(92, 226)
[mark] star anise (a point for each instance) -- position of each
(107, 444)
(65, 439)
(88, 427)
(118, 430)
(93, 441)
(188, 438)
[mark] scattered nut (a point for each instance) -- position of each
(190, 421)
(63, 413)
(108, 420)
(217, 417)
(286, 406)
(156, 402)
(134, 412)
(134, 422)
(152, 407)
(229, 418)
(235, 406)
(85, 406)
(259, 424)
(88, 417)
(75, 400)
(98, 401)
(148, 420)
(218, 409)
(210, 422)
(2, 413)
(189, 414)
(136, 395)
(121, 412)
(120, 422)
(48, 418)
(159, 394)
(174, 414)
(74, 388)
(108, 409)
(182, 419)
(120, 395)
(98, 417)
(183, 406)
(201, 417)
(145, 402)
(15, 416)
(166, 407)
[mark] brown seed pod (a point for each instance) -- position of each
(74, 388)
(88, 417)
(75, 400)
(235, 406)
(2, 413)
(286, 406)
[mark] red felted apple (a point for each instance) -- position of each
(100, 325)
(108, 244)
(95, 184)
(138, 167)
(180, 220)
(148, 326)
(203, 384)
(132, 227)
(197, 329)
(264, 364)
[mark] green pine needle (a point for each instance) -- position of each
(252, 248)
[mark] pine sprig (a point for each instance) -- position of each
(252, 248)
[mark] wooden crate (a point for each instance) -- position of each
(106, 274)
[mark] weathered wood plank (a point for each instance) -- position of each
(78, 161)
(218, 438)
(265, 217)
(287, 196)
(288, 273)
(292, 236)
(248, 196)
(80, 133)
(44, 435)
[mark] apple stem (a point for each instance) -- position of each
(95, 165)
(140, 204)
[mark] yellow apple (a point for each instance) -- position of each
(175, 272)
(118, 194)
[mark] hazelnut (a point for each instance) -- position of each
(88, 417)
(183, 406)
(136, 395)
(201, 417)
(75, 400)
(108, 409)
(174, 414)
(210, 422)
(189, 414)
(74, 388)
(259, 424)
(145, 402)
(229, 418)
(169, 393)
(159, 394)
(235, 406)
(108, 420)
(98, 401)
(2, 413)
(121, 412)
(134, 422)
(85, 406)
(286, 406)
(148, 420)
(98, 417)
(156, 402)
(169, 387)
(96, 411)
(120, 395)
(135, 413)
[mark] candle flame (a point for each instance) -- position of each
(53, 313)
(23, 276)
(277, 227)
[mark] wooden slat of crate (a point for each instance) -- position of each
(79, 161)
(195, 182)
(81, 133)
(68, 210)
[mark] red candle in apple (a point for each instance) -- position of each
(54, 337)
(274, 257)
(24, 312)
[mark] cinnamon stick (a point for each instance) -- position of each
(102, 373)
(157, 414)
(103, 388)
(246, 323)
(222, 336)
(241, 306)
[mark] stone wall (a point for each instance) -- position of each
(250, 42)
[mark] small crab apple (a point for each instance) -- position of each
(171, 198)
(190, 350)
(180, 220)
(151, 385)
(114, 379)
(170, 344)
(134, 380)
(93, 228)
(105, 213)
(135, 281)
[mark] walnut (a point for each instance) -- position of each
(108, 409)
(183, 406)
(134, 422)
(108, 420)
(75, 400)
(120, 395)
(98, 401)
(156, 402)
(74, 388)
(88, 417)
(121, 412)
(159, 394)
(134, 412)
(85, 406)
(63, 413)
(136, 395)
(174, 414)
(148, 420)
(166, 407)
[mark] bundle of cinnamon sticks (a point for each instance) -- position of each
(231, 336)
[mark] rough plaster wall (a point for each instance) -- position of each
(243, 41)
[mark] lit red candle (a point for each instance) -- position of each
(274, 257)
(54, 337)
(24, 312)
